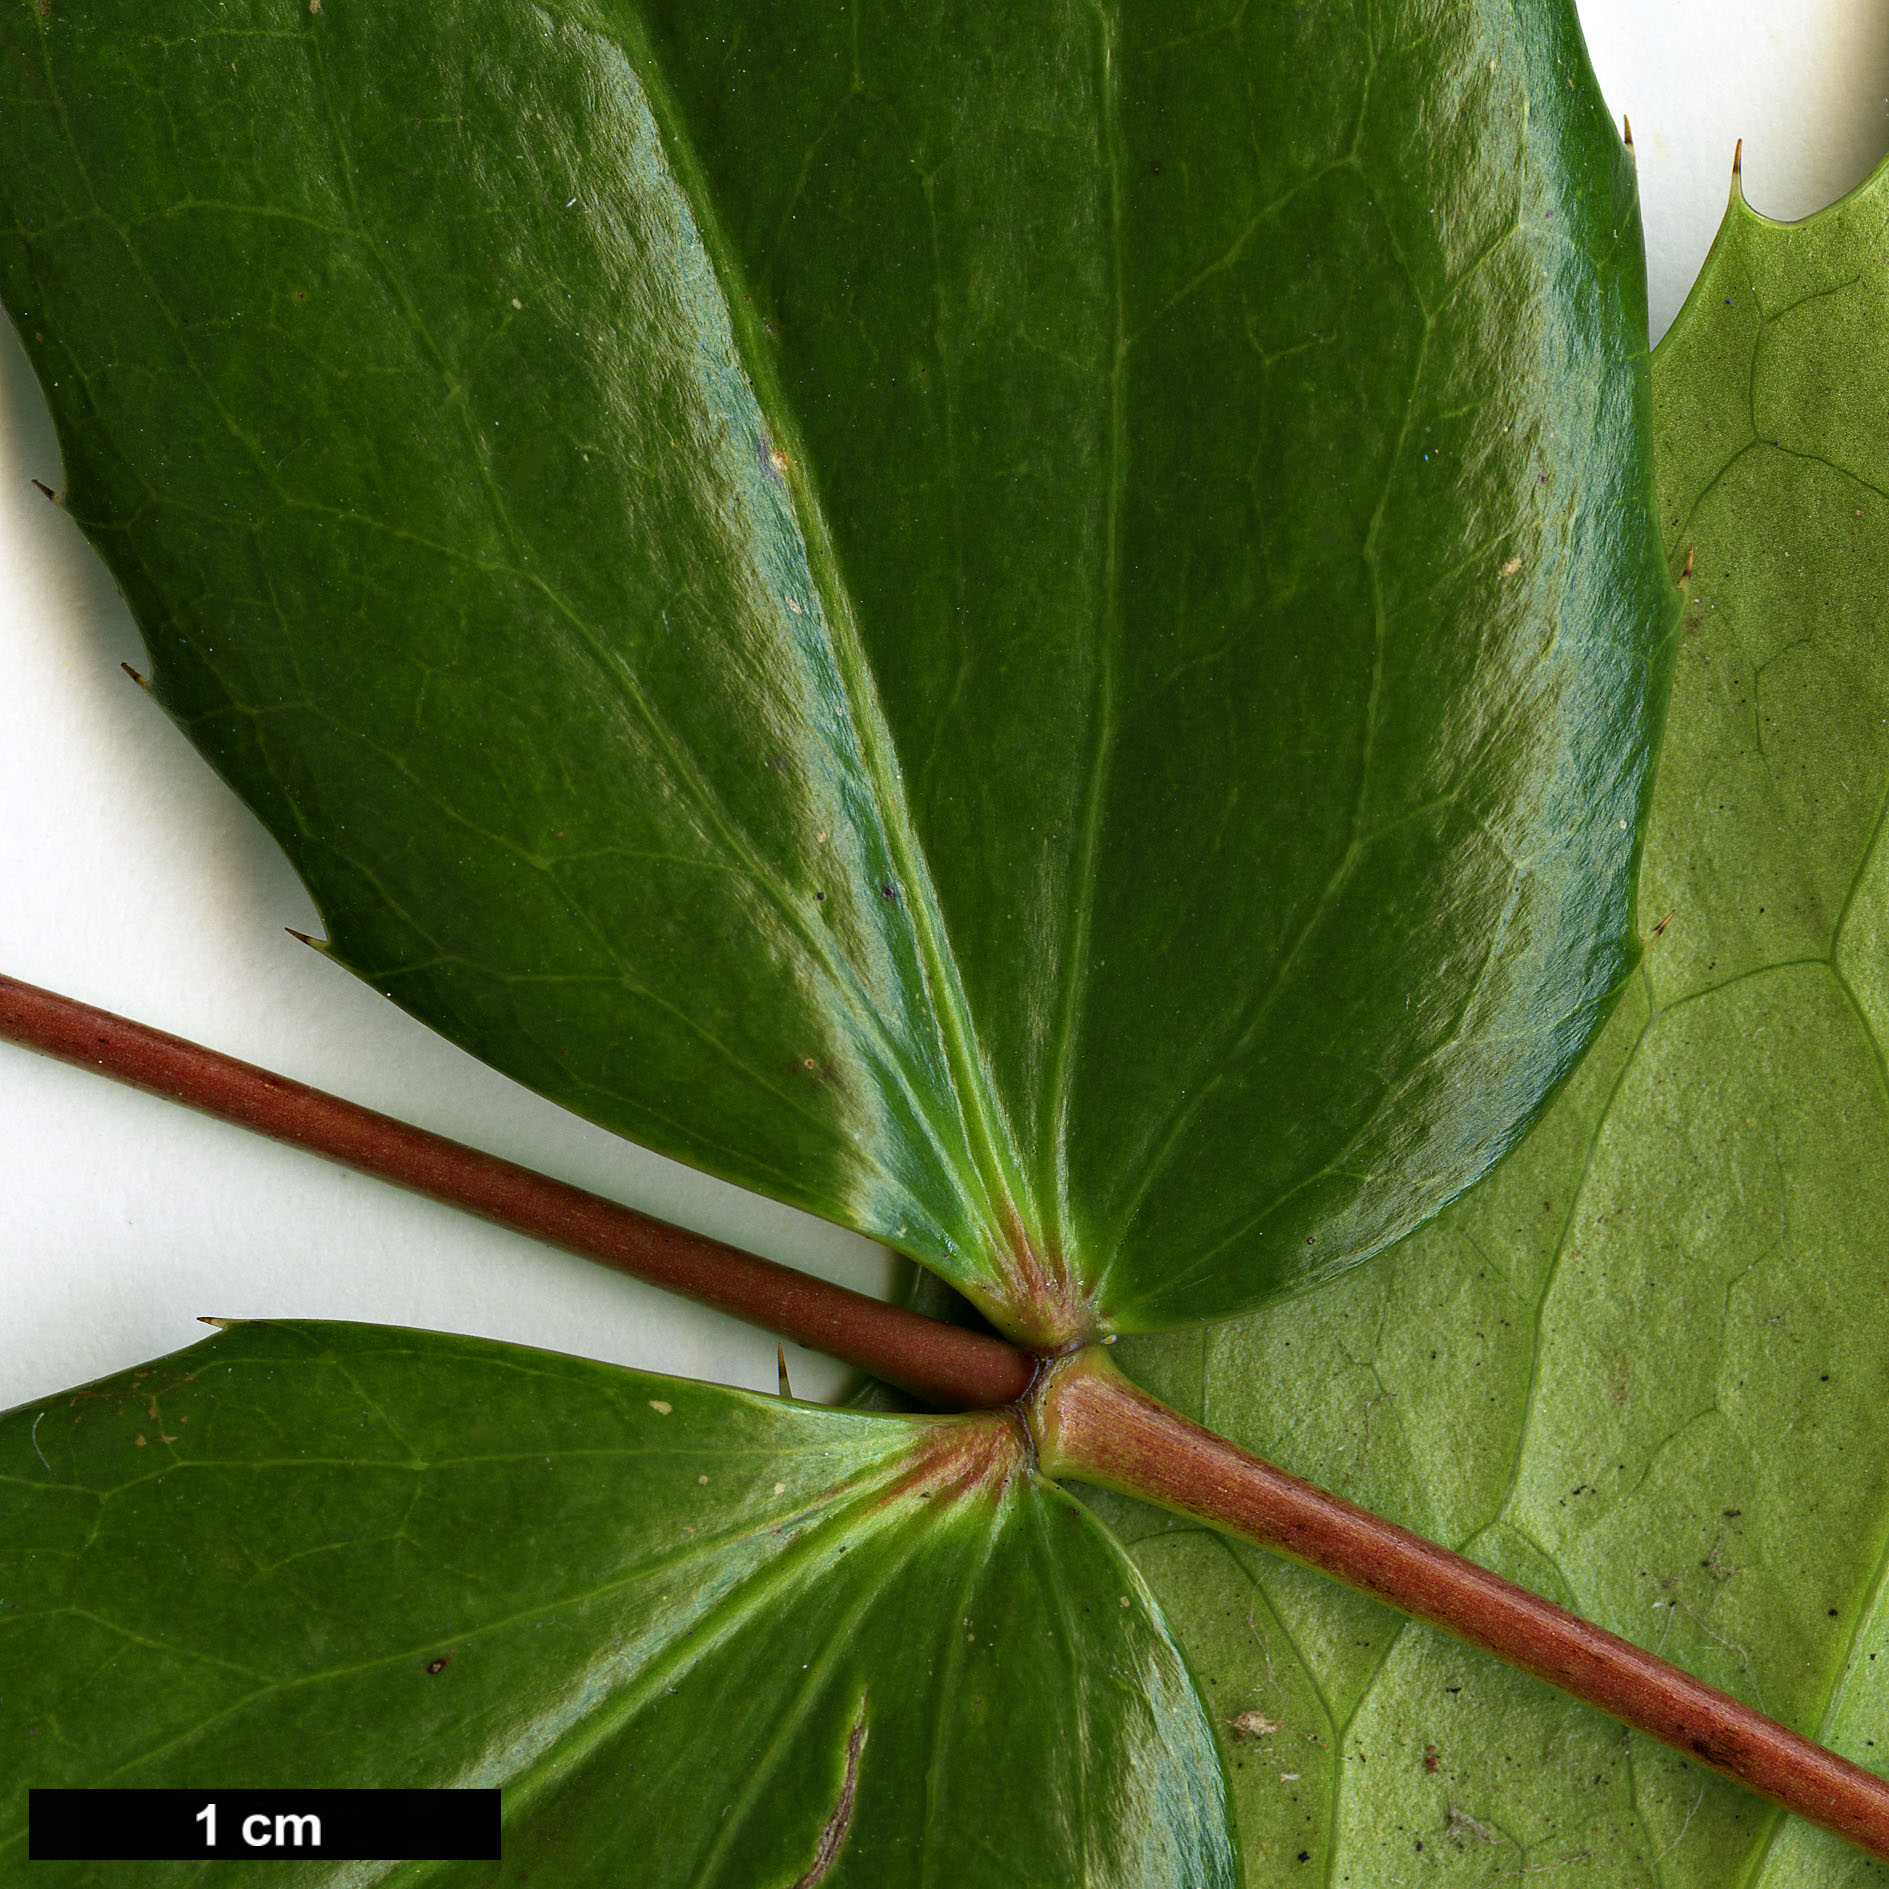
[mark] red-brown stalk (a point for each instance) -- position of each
(1088, 1421)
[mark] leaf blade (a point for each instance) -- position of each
(920, 711)
(717, 1637)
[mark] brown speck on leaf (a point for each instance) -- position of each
(1663, 923)
(438, 1665)
(1620, 1387)
(1430, 1759)
(1245, 1725)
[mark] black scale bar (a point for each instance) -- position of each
(232, 1826)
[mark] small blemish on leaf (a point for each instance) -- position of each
(1462, 1824)
(659, 1407)
(841, 1820)
(438, 1665)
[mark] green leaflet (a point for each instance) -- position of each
(1035, 628)
(674, 1621)
(1642, 1367)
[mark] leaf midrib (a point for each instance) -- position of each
(680, 766)
(1005, 1198)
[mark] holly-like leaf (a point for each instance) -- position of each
(698, 1635)
(1641, 1369)
(1036, 629)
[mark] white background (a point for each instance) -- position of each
(133, 879)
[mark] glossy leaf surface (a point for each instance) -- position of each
(698, 1637)
(1035, 628)
(1642, 1367)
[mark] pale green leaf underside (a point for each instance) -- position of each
(1643, 1367)
(701, 1639)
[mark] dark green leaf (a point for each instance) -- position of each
(1642, 1367)
(693, 1633)
(1034, 628)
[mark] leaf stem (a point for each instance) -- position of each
(938, 1362)
(1088, 1421)
(1092, 1424)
